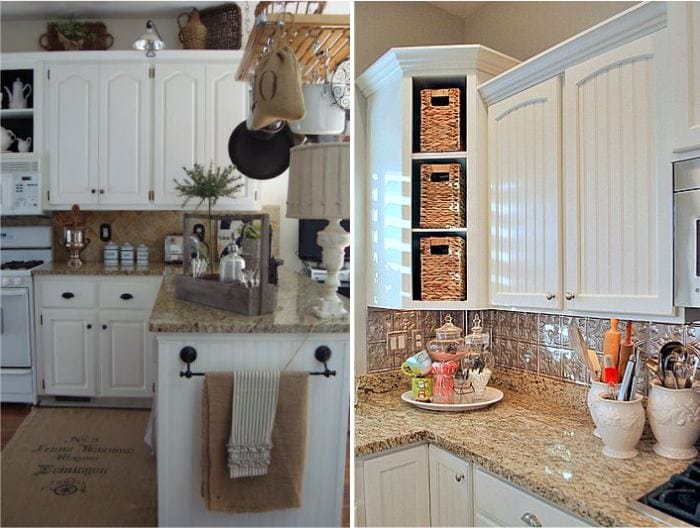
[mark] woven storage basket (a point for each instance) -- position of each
(442, 273)
(441, 195)
(439, 120)
(97, 38)
(223, 26)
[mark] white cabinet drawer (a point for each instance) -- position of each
(68, 294)
(17, 382)
(131, 294)
(505, 505)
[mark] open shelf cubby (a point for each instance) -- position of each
(435, 83)
(18, 120)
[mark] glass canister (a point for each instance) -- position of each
(448, 344)
(126, 254)
(231, 265)
(479, 362)
(111, 254)
(142, 255)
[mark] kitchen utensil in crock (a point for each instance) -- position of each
(664, 352)
(260, 155)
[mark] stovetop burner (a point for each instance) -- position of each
(679, 497)
(21, 264)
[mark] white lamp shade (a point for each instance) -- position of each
(319, 181)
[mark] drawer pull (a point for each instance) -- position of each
(459, 478)
(549, 296)
(569, 296)
(126, 296)
(68, 295)
(89, 327)
(530, 519)
(104, 327)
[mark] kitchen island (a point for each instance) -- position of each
(225, 341)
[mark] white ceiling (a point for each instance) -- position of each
(460, 9)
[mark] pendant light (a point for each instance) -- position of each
(150, 41)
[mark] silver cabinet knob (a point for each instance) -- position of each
(459, 478)
(530, 519)
(549, 296)
(569, 296)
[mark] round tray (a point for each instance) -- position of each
(491, 396)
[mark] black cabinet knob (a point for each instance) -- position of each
(67, 295)
(93, 191)
(104, 327)
(126, 296)
(102, 191)
(89, 326)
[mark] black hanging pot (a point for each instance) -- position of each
(260, 154)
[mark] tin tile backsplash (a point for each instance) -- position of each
(527, 341)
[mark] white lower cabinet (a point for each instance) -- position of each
(428, 486)
(89, 345)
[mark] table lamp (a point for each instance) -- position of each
(319, 189)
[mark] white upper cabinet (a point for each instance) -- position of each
(684, 59)
(618, 182)
(73, 133)
(524, 190)
(125, 133)
(179, 126)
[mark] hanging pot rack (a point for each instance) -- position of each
(319, 41)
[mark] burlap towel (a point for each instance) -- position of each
(281, 488)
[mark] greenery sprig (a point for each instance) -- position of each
(208, 185)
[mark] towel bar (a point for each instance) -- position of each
(322, 354)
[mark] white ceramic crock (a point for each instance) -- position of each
(597, 388)
(674, 416)
(323, 117)
(620, 424)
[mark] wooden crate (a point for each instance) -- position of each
(440, 127)
(441, 195)
(442, 268)
(227, 296)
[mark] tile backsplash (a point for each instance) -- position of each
(533, 342)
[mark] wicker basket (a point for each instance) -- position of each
(442, 268)
(440, 129)
(192, 34)
(223, 26)
(97, 38)
(441, 195)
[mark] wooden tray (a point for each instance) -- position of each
(227, 296)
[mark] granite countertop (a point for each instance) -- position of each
(98, 268)
(543, 446)
(295, 297)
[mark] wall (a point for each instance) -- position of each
(538, 343)
(380, 26)
(524, 29)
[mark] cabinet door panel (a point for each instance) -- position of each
(524, 164)
(618, 183)
(397, 491)
(125, 110)
(69, 345)
(179, 126)
(126, 348)
(450, 489)
(73, 133)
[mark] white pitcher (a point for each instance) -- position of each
(7, 138)
(17, 97)
(23, 145)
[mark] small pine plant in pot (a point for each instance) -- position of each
(208, 185)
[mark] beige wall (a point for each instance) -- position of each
(524, 29)
(380, 26)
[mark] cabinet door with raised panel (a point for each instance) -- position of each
(617, 185)
(684, 54)
(126, 348)
(226, 108)
(450, 489)
(69, 347)
(125, 135)
(72, 133)
(397, 490)
(179, 126)
(524, 168)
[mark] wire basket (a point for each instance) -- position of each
(223, 26)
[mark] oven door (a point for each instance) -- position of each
(15, 328)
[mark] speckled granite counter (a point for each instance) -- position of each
(98, 268)
(295, 297)
(545, 447)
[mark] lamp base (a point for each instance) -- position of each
(333, 240)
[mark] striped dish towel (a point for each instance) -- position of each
(252, 419)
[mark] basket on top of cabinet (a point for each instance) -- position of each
(442, 268)
(440, 129)
(441, 196)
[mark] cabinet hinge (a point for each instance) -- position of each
(41, 319)
(152, 72)
(43, 384)
(153, 387)
(48, 74)
(48, 196)
(151, 196)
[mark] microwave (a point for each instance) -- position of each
(686, 236)
(21, 186)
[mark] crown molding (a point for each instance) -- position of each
(634, 23)
(432, 60)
